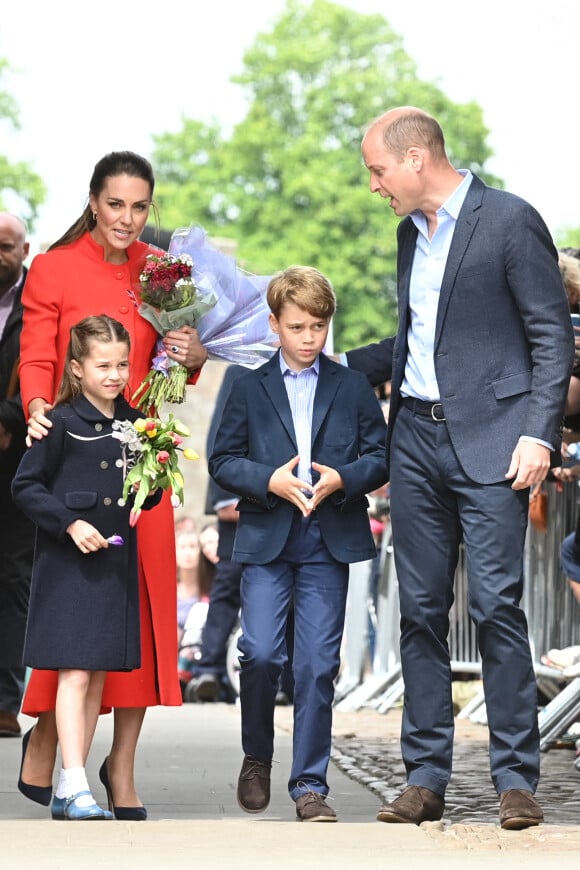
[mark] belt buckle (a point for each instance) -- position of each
(433, 417)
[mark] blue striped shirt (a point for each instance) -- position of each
(300, 387)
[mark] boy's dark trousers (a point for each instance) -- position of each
(306, 572)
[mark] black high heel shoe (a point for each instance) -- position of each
(122, 814)
(41, 794)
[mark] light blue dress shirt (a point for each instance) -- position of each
(426, 279)
(301, 387)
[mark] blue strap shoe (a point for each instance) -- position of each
(67, 809)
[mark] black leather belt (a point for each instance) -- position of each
(433, 410)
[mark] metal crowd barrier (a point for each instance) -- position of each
(552, 612)
(353, 690)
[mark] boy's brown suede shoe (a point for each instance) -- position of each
(312, 807)
(414, 805)
(519, 809)
(254, 785)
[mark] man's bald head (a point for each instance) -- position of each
(14, 249)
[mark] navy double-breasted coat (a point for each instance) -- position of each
(84, 608)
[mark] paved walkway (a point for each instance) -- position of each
(187, 770)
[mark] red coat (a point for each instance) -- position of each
(64, 286)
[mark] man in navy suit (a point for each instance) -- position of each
(301, 440)
(17, 531)
(479, 367)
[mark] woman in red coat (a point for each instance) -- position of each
(93, 269)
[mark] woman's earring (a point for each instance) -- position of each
(95, 216)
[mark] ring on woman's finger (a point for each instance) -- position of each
(174, 348)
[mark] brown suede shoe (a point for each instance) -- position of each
(519, 809)
(254, 785)
(312, 807)
(9, 725)
(414, 805)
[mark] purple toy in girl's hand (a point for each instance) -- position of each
(116, 540)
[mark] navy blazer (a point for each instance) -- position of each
(215, 493)
(504, 343)
(256, 436)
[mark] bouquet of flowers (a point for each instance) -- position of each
(237, 327)
(150, 449)
(169, 299)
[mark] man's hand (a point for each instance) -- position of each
(285, 484)
(530, 464)
(330, 480)
(86, 537)
(568, 474)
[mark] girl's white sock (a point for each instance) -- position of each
(73, 780)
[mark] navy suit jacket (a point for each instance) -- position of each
(216, 493)
(503, 337)
(256, 436)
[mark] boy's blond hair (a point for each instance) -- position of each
(305, 287)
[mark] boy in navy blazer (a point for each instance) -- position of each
(302, 440)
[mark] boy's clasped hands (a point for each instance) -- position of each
(305, 496)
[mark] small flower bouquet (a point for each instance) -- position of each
(169, 299)
(150, 455)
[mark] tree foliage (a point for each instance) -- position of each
(17, 179)
(568, 238)
(288, 183)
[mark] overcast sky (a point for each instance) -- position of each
(89, 79)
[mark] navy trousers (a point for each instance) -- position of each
(433, 506)
(222, 614)
(16, 553)
(306, 573)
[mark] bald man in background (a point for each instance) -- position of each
(17, 532)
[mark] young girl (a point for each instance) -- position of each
(83, 616)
